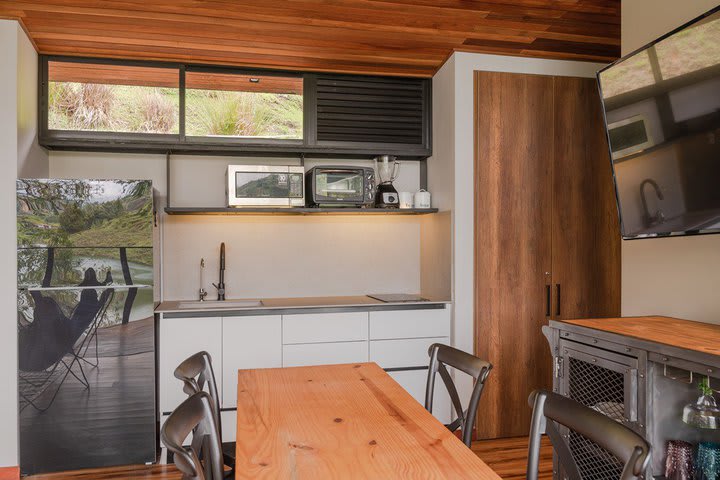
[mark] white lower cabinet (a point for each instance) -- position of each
(325, 327)
(410, 352)
(388, 324)
(228, 419)
(178, 339)
(248, 342)
(414, 381)
(393, 339)
(413, 353)
(301, 355)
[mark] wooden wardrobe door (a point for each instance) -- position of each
(513, 201)
(586, 232)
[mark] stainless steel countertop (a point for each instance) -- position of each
(173, 306)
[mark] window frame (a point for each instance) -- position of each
(129, 141)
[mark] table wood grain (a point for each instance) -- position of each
(349, 421)
(695, 336)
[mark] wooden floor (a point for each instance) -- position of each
(154, 472)
(506, 456)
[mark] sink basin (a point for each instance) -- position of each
(221, 304)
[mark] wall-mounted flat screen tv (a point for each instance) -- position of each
(662, 112)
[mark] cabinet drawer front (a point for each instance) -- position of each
(248, 342)
(178, 339)
(325, 327)
(403, 353)
(410, 324)
(324, 353)
(414, 381)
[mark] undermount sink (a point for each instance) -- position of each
(221, 304)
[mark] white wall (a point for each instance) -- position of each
(451, 169)
(19, 153)
(267, 256)
(8, 246)
(668, 276)
(436, 235)
(32, 158)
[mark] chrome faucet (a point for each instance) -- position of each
(221, 284)
(202, 291)
(658, 216)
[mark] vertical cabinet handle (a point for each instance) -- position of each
(557, 294)
(547, 300)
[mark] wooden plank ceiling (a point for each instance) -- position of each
(393, 37)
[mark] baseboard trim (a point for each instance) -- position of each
(9, 473)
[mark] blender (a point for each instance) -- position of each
(387, 169)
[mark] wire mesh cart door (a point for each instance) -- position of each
(608, 383)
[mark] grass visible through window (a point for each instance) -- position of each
(244, 114)
(112, 108)
(139, 99)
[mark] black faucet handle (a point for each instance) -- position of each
(220, 290)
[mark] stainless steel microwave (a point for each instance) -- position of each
(338, 186)
(265, 186)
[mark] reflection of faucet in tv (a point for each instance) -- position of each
(658, 217)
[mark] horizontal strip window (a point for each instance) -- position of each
(146, 106)
(129, 102)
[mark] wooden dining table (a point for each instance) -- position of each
(350, 421)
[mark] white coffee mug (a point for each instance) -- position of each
(422, 199)
(406, 199)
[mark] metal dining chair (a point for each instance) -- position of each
(196, 373)
(593, 442)
(443, 356)
(202, 460)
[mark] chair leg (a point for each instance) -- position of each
(54, 396)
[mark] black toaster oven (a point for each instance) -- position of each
(340, 186)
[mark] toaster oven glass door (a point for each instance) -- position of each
(339, 185)
(268, 185)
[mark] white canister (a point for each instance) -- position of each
(406, 199)
(422, 199)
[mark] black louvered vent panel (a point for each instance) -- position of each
(370, 109)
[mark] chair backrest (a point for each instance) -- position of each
(442, 355)
(593, 439)
(196, 373)
(194, 416)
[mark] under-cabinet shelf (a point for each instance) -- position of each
(296, 211)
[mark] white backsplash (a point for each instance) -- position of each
(267, 256)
